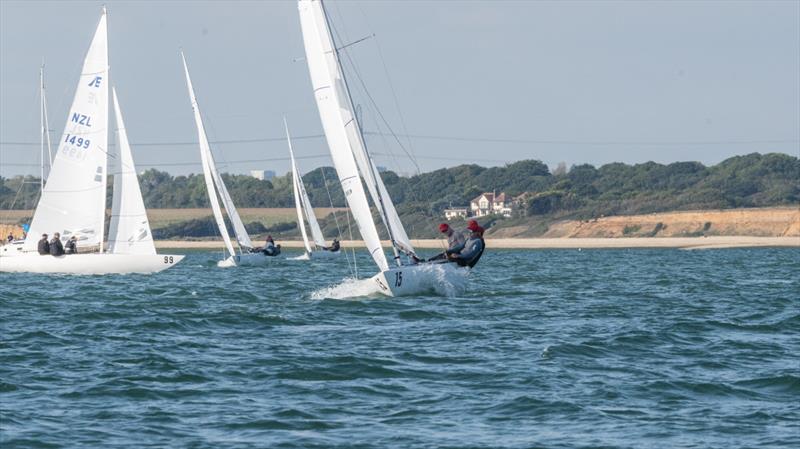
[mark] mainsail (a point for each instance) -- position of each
(323, 57)
(73, 200)
(129, 230)
(329, 91)
(205, 152)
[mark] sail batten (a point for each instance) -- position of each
(73, 199)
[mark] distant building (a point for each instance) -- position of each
(456, 212)
(490, 203)
(263, 175)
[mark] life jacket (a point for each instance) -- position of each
(474, 261)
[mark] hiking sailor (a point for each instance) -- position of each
(270, 248)
(455, 242)
(473, 249)
(72, 245)
(44, 246)
(334, 246)
(56, 248)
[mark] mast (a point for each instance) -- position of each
(370, 166)
(103, 171)
(41, 126)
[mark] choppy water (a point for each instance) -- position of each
(613, 348)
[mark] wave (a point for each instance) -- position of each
(349, 288)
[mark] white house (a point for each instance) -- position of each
(455, 212)
(489, 203)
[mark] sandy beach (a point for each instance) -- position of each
(711, 242)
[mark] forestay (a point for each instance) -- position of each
(129, 230)
(73, 200)
(205, 151)
(329, 91)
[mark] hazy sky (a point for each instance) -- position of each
(495, 81)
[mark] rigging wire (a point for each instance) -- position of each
(391, 85)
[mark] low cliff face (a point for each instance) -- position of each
(767, 222)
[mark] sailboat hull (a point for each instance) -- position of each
(245, 260)
(95, 263)
(443, 278)
(322, 254)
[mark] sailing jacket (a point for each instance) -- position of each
(472, 249)
(44, 247)
(455, 242)
(56, 248)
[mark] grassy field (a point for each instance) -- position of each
(164, 217)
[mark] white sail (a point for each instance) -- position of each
(298, 205)
(205, 152)
(302, 203)
(238, 227)
(73, 200)
(313, 224)
(296, 183)
(129, 231)
(329, 90)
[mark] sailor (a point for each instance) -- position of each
(334, 246)
(270, 248)
(72, 245)
(473, 249)
(44, 245)
(455, 242)
(56, 248)
(10, 237)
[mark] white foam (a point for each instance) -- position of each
(348, 288)
(451, 280)
(303, 256)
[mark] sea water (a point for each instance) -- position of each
(545, 348)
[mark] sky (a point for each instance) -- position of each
(485, 82)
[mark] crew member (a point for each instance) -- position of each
(270, 248)
(72, 245)
(44, 245)
(334, 246)
(455, 242)
(56, 248)
(473, 248)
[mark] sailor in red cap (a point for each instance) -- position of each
(473, 248)
(455, 242)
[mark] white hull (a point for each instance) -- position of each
(245, 260)
(322, 254)
(93, 263)
(442, 278)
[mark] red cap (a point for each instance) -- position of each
(444, 227)
(473, 226)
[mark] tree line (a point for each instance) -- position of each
(584, 191)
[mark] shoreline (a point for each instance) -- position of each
(711, 242)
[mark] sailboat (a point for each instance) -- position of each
(304, 210)
(352, 161)
(73, 201)
(216, 187)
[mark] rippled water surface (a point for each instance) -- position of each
(567, 348)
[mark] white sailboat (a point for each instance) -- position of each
(216, 187)
(74, 198)
(305, 213)
(351, 158)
